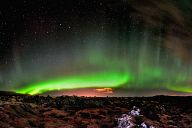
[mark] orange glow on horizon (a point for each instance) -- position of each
(105, 90)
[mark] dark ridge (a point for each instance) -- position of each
(10, 93)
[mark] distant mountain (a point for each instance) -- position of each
(9, 93)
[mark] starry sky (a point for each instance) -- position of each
(96, 47)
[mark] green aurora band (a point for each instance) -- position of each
(186, 88)
(110, 79)
(105, 79)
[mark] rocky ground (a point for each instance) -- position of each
(23, 111)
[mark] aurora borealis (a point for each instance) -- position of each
(122, 45)
(107, 79)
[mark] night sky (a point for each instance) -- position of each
(96, 47)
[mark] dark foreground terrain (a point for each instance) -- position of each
(23, 111)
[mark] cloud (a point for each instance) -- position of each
(105, 90)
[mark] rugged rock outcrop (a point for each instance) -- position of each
(23, 111)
